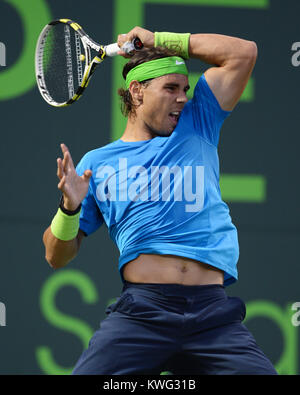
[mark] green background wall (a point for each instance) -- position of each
(50, 315)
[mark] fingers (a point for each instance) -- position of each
(69, 181)
(124, 54)
(131, 35)
(61, 166)
(122, 39)
(146, 36)
(64, 148)
(67, 162)
(61, 183)
(87, 175)
(67, 154)
(64, 166)
(60, 169)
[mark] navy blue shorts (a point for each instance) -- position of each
(182, 329)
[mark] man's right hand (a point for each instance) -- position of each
(73, 186)
(146, 37)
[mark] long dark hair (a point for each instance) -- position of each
(141, 56)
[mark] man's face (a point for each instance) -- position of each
(163, 100)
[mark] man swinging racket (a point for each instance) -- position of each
(157, 189)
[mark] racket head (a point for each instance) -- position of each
(63, 63)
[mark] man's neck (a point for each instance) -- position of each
(135, 131)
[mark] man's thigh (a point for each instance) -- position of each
(232, 351)
(126, 344)
(221, 344)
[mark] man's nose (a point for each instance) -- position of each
(182, 98)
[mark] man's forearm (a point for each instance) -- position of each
(220, 50)
(59, 253)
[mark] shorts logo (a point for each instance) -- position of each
(157, 183)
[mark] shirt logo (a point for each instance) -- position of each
(178, 62)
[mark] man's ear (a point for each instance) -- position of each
(136, 91)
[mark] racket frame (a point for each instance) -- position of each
(90, 64)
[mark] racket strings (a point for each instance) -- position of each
(62, 64)
(78, 48)
(69, 61)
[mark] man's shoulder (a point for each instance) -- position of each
(98, 154)
(101, 150)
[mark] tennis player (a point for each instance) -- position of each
(157, 190)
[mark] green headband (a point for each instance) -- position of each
(156, 68)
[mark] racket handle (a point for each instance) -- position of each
(113, 49)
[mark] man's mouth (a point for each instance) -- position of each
(174, 115)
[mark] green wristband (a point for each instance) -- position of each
(178, 42)
(65, 227)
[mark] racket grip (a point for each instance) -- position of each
(112, 49)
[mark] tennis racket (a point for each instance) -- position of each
(63, 60)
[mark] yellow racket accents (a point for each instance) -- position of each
(74, 25)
